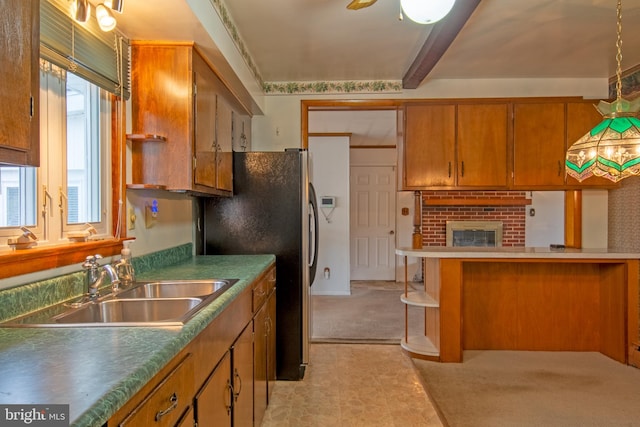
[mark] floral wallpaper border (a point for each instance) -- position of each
(237, 40)
(332, 87)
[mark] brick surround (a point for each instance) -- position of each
(434, 218)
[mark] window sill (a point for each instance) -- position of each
(26, 261)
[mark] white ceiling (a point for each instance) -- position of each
(321, 40)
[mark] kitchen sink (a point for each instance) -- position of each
(133, 311)
(176, 289)
(153, 303)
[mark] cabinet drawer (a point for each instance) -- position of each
(262, 289)
(168, 400)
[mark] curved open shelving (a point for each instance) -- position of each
(427, 301)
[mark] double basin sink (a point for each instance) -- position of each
(155, 303)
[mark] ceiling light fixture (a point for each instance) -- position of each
(426, 11)
(106, 20)
(116, 5)
(81, 10)
(612, 148)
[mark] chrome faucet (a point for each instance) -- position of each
(96, 274)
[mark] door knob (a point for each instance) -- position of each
(392, 232)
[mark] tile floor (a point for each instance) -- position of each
(353, 385)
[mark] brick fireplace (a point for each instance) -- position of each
(438, 207)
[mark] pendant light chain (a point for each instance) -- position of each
(619, 50)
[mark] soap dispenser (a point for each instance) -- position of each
(124, 267)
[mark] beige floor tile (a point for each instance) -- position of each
(353, 385)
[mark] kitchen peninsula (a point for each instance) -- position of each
(517, 298)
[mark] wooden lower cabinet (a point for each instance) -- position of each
(167, 401)
(187, 419)
(264, 357)
(212, 378)
(213, 403)
(242, 378)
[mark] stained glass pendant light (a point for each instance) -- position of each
(612, 148)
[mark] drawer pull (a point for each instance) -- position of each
(174, 404)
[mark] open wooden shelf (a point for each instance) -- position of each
(147, 137)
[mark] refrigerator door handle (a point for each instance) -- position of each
(313, 234)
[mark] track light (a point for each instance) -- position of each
(106, 20)
(116, 5)
(82, 10)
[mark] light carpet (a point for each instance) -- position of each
(533, 389)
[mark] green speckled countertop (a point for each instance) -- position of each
(96, 370)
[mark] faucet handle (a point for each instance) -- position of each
(91, 261)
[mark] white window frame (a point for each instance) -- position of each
(51, 226)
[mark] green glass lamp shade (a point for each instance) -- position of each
(612, 148)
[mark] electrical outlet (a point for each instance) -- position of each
(131, 219)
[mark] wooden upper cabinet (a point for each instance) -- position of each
(538, 144)
(224, 147)
(19, 64)
(429, 146)
(454, 146)
(177, 95)
(205, 105)
(514, 143)
(581, 118)
(482, 145)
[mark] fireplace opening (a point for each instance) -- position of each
(474, 233)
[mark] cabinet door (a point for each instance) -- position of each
(538, 144)
(429, 146)
(271, 344)
(213, 402)
(581, 118)
(224, 145)
(187, 419)
(19, 126)
(205, 144)
(243, 378)
(260, 363)
(482, 145)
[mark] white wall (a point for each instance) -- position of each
(546, 226)
(595, 218)
(330, 177)
(173, 226)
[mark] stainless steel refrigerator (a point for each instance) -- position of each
(273, 211)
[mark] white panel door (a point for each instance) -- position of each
(372, 217)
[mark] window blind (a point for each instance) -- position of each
(97, 56)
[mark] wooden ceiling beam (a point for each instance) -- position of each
(440, 38)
